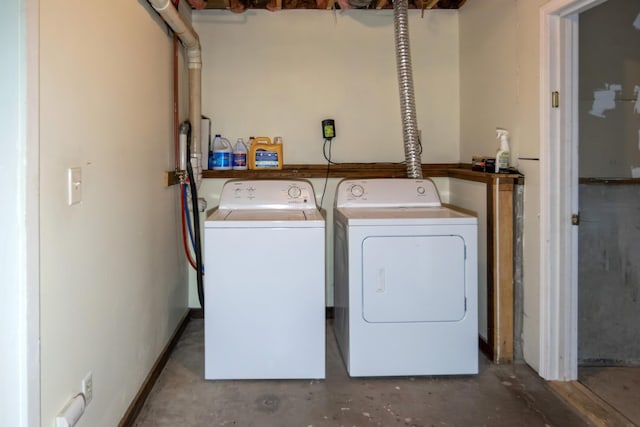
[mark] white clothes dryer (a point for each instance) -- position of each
(405, 277)
(265, 282)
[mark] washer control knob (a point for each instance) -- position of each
(294, 192)
(421, 190)
(357, 190)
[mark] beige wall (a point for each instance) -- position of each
(113, 278)
(273, 74)
(499, 60)
(488, 83)
(499, 75)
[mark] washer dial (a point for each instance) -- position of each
(357, 190)
(294, 192)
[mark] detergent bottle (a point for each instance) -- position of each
(502, 155)
(221, 153)
(265, 154)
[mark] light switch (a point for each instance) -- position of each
(74, 186)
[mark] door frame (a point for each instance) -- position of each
(559, 188)
(20, 303)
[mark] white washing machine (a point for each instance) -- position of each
(405, 277)
(265, 282)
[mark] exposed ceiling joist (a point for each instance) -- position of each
(274, 5)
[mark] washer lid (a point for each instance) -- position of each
(265, 218)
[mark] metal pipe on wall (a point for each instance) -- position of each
(191, 42)
(176, 94)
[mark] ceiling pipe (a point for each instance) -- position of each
(191, 42)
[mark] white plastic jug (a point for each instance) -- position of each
(239, 156)
(222, 154)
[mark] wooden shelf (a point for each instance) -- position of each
(367, 170)
(344, 170)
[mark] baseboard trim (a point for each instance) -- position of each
(589, 405)
(134, 408)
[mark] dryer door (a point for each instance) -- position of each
(413, 278)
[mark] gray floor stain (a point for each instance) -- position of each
(268, 403)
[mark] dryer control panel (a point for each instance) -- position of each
(385, 192)
(267, 194)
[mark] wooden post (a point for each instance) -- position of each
(500, 271)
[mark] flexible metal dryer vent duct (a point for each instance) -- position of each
(405, 83)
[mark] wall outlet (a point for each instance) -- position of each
(87, 387)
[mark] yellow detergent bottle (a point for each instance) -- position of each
(265, 154)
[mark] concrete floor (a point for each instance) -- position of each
(618, 386)
(506, 395)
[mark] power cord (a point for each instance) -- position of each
(324, 152)
(329, 163)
